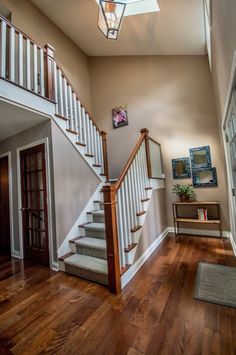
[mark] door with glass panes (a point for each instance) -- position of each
(230, 132)
(34, 204)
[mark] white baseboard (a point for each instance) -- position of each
(129, 274)
(233, 243)
(205, 232)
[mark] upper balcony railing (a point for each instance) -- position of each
(25, 63)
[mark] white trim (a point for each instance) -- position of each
(8, 155)
(227, 158)
(45, 141)
(204, 232)
(233, 243)
(129, 274)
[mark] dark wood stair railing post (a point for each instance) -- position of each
(104, 152)
(114, 279)
(146, 131)
(49, 72)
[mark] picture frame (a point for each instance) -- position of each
(200, 157)
(181, 168)
(205, 177)
(120, 116)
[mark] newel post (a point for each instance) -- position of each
(104, 152)
(146, 132)
(49, 72)
(109, 192)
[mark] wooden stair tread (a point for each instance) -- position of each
(130, 247)
(62, 258)
(141, 213)
(135, 229)
(61, 117)
(81, 144)
(148, 188)
(124, 269)
(71, 131)
(145, 199)
(89, 155)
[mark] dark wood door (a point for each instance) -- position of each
(34, 204)
(5, 244)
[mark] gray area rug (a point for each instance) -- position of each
(216, 284)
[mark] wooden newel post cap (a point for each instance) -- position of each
(144, 130)
(49, 50)
(104, 134)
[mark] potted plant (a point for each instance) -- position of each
(185, 192)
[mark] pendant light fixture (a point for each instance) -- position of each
(110, 16)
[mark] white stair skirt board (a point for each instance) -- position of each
(129, 274)
(73, 139)
(74, 232)
(232, 241)
(203, 232)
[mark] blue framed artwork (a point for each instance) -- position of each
(200, 157)
(204, 177)
(181, 168)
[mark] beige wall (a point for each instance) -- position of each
(223, 47)
(171, 96)
(74, 183)
(155, 222)
(73, 61)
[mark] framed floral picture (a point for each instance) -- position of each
(120, 116)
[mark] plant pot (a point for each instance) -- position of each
(184, 198)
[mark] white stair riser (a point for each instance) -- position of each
(96, 253)
(61, 265)
(95, 234)
(136, 236)
(87, 274)
(129, 256)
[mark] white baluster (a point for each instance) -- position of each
(20, 59)
(125, 227)
(91, 135)
(61, 97)
(75, 120)
(28, 65)
(12, 55)
(70, 110)
(41, 67)
(84, 127)
(98, 144)
(128, 212)
(131, 200)
(79, 122)
(141, 176)
(65, 97)
(137, 184)
(101, 152)
(35, 82)
(96, 152)
(120, 230)
(88, 134)
(134, 193)
(3, 42)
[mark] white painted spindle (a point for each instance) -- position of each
(3, 42)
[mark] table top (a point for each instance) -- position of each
(196, 203)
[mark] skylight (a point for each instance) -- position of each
(137, 7)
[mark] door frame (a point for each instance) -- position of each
(232, 83)
(14, 253)
(45, 141)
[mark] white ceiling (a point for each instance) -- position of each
(178, 29)
(15, 119)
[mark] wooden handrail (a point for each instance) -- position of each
(25, 36)
(144, 134)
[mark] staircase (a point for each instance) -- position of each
(88, 256)
(102, 247)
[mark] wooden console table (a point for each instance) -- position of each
(203, 204)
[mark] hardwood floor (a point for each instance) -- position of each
(44, 312)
